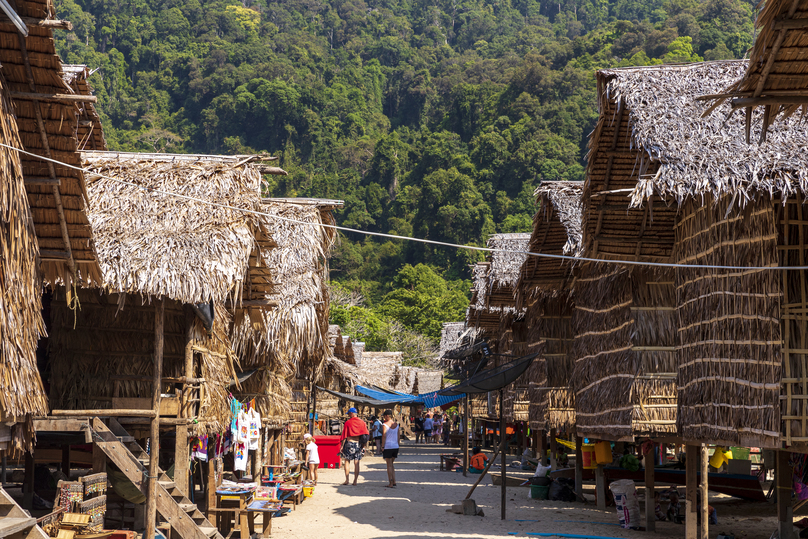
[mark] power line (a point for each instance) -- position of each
(408, 238)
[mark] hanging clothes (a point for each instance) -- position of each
(240, 457)
(254, 429)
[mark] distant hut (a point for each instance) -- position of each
(743, 357)
(545, 289)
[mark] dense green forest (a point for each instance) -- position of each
(429, 118)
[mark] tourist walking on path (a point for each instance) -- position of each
(352, 445)
(427, 428)
(376, 434)
(390, 443)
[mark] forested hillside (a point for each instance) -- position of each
(430, 118)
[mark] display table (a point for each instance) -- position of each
(231, 508)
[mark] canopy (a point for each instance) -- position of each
(429, 400)
(359, 399)
(492, 379)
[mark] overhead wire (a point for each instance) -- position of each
(575, 259)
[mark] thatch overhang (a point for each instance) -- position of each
(545, 287)
(506, 261)
(556, 231)
(776, 80)
(21, 392)
(47, 112)
(193, 249)
(90, 133)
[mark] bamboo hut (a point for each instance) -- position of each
(775, 78)
(154, 245)
(289, 345)
(545, 288)
(742, 331)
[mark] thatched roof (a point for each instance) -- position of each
(21, 323)
(56, 193)
(556, 231)
(161, 245)
(293, 336)
(90, 133)
(506, 263)
(454, 335)
(685, 154)
(776, 77)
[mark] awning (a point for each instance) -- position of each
(429, 400)
(368, 401)
(492, 379)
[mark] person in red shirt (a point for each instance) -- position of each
(352, 448)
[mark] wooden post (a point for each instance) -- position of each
(210, 489)
(66, 460)
(466, 429)
(3, 470)
(579, 467)
(28, 482)
(692, 454)
(99, 460)
(782, 478)
(154, 454)
(600, 487)
(543, 446)
(313, 408)
(704, 529)
(504, 448)
(256, 462)
(650, 503)
(182, 456)
(553, 449)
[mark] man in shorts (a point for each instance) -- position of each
(351, 445)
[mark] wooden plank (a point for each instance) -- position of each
(182, 456)
(12, 525)
(111, 412)
(60, 425)
(57, 98)
(600, 488)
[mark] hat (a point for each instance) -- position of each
(352, 410)
(307, 435)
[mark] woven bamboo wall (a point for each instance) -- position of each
(792, 221)
(729, 365)
(299, 423)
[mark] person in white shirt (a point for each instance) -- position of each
(390, 443)
(312, 456)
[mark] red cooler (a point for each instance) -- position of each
(328, 448)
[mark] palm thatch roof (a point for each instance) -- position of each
(292, 337)
(47, 113)
(160, 245)
(685, 154)
(506, 263)
(556, 231)
(21, 324)
(90, 133)
(776, 78)
(453, 335)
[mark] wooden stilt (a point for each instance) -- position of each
(154, 451)
(785, 515)
(210, 490)
(182, 456)
(66, 460)
(692, 456)
(504, 449)
(465, 430)
(3, 470)
(650, 503)
(704, 528)
(28, 483)
(553, 450)
(99, 460)
(543, 446)
(313, 408)
(600, 487)
(579, 467)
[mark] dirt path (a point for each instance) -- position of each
(417, 508)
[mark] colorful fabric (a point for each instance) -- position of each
(351, 450)
(354, 427)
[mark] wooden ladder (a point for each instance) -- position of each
(172, 505)
(16, 523)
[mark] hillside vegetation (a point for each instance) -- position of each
(430, 118)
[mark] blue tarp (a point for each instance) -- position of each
(429, 400)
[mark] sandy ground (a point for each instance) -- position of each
(417, 508)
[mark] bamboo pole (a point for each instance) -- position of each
(154, 454)
(782, 479)
(691, 467)
(579, 467)
(650, 515)
(485, 470)
(504, 450)
(181, 447)
(313, 408)
(553, 450)
(704, 528)
(466, 428)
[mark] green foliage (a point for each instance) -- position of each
(432, 118)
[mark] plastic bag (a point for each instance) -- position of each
(542, 471)
(562, 490)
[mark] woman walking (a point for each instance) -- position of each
(390, 443)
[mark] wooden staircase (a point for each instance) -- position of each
(185, 519)
(16, 523)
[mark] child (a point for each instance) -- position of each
(478, 460)
(674, 510)
(312, 456)
(660, 516)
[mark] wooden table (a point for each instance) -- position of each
(233, 507)
(295, 497)
(267, 509)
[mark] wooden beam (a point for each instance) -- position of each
(33, 22)
(252, 303)
(790, 24)
(785, 517)
(32, 180)
(57, 98)
(60, 425)
(650, 502)
(182, 456)
(704, 527)
(600, 488)
(166, 379)
(54, 254)
(154, 450)
(769, 100)
(102, 413)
